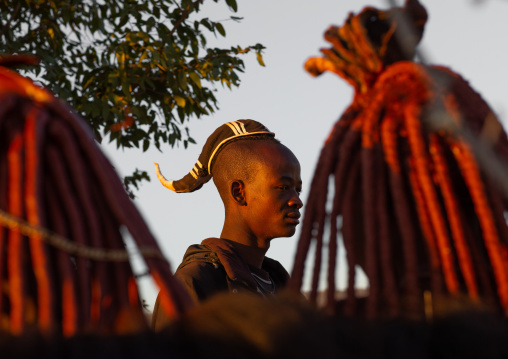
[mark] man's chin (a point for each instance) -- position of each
(290, 232)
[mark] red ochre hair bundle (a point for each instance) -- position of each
(64, 267)
(418, 212)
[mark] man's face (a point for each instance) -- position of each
(272, 194)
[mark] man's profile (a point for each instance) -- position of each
(259, 182)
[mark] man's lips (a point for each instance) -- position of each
(292, 217)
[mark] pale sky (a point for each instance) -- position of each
(468, 36)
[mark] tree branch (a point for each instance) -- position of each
(185, 14)
(13, 16)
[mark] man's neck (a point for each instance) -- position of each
(248, 246)
(252, 255)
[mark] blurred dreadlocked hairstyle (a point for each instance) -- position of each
(413, 200)
(63, 263)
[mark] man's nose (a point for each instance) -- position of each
(295, 201)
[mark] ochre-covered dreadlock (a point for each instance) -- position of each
(63, 262)
(418, 213)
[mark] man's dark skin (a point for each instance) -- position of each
(265, 206)
(259, 183)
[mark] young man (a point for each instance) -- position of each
(259, 182)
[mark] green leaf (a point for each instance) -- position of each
(220, 29)
(195, 78)
(182, 77)
(232, 4)
(207, 24)
(105, 112)
(150, 23)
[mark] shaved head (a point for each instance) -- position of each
(259, 183)
(240, 160)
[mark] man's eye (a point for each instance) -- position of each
(284, 188)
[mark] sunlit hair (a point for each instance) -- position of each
(63, 212)
(414, 208)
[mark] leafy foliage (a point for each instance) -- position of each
(135, 70)
(133, 181)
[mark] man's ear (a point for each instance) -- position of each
(238, 192)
